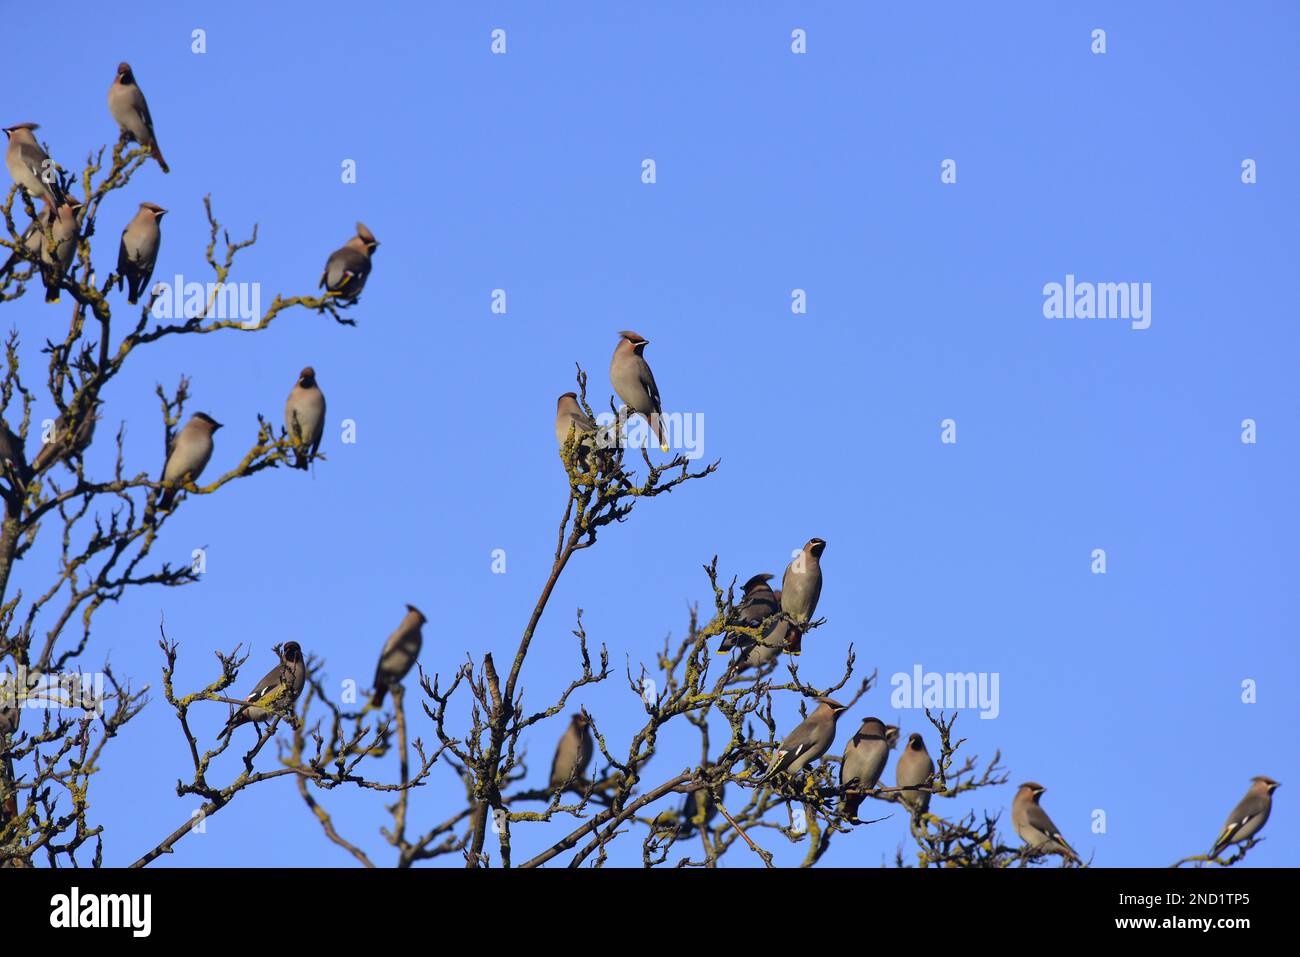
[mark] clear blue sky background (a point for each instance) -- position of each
(775, 171)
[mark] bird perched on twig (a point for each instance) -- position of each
(632, 379)
(189, 455)
(348, 267)
(127, 104)
(1034, 826)
(864, 759)
(757, 605)
(304, 417)
(65, 231)
(572, 754)
(807, 742)
(276, 692)
(801, 587)
(1250, 814)
(30, 166)
(56, 445)
(589, 438)
(138, 251)
(399, 654)
(914, 768)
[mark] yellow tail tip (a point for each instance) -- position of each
(663, 448)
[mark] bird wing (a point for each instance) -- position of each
(1241, 815)
(142, 111)
(1037, 818)
(648, 383)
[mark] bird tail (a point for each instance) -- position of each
(168, 496)
(157, 154)
(377, 699)
(1221, 842)
(849, 805)
(657, 427)
(133, 290)
(52, 285)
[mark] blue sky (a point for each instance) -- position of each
(775, 171)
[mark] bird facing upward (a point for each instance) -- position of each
(131, 113)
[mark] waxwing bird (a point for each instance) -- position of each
(139, 250)
(304, 417)
(277, 691)
(758, 604)
(635, 384)
(572, 754)
(30, 166)
(801, 587)
(1034, 826)
(131, 112)
(1248, 816)
(399, 654)
(32, 241)
(914, 769)
(807, 742)
(10, 705)
(690, 816)
(189, 455)
(55, 260)
(13, 461)
(864, 760)
(57, 446)
(589, 437)
(349, 265)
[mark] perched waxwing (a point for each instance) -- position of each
(189, 455)
(399, 654)
(304, 417)
(806, 743)
(55, 261)
(864, 760)
(349, 265)
(802, 586)
(914, 767)
(138, 250)
(589, 436)
(572, 754)
(13, 461)
(689, 818)
(635, 384)
(30, 166)
(1034, 826)
(32, 241)
(1248, 816)
(10, 705)
(57, 445)
(277, 691)
(126, 103)
(758, 604)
